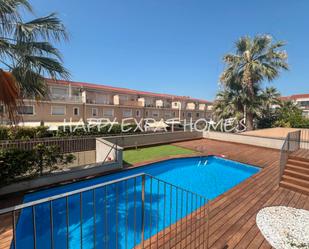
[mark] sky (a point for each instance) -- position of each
(175, 46)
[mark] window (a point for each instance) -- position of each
(108, 112)
(174, 114)
(124, 97)
(25, 110)
(197, 114)
(189, 114)
(76, 111)
(304, 103)
(59, 91)
(76, 91)
(94, 112)
(155, 114)
(58, 110)
(102, 99)
(127, 113)
(146, 113)
(168, 114)
(138, 113)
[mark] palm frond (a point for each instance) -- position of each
(46, 66)
(31, 83)
(37, 48)
(243, 45)
(45, 28)
(9, 13)
(260, 44)
(27, 52)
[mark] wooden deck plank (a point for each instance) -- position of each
(242, 205)
(257, 238)
(240, 234)
(304, 153)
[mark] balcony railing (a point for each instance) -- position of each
(101, 102)
(138, 211)
(73, 98)
(131, 103)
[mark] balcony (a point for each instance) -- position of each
(201, 107)
(159, 103)
(97, 101)
(209, 108)
(190, 106)
(134, 103)
(304, 107)
(66, 98)
(176, 105)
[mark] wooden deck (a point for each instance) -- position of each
(302, 153)
(232, 215)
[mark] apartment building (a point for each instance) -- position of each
(302, 100)
(74, 101)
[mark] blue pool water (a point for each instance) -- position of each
(118, 208)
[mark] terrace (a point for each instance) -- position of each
(229, 221)
(93, 166)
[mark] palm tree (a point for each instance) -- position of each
(27, 55)
(254, 61)
(224, 106)
(270, 97)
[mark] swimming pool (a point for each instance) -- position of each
(110, 216)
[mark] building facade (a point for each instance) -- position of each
(77, 101)
(302, 100)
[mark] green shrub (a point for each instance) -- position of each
(4, 133)
(104, 130)
(17, 163)
(42, 131)
(292, 120)
(27, 133)
(49, 158)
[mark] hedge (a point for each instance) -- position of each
(18, 164)
(27, 133)
(24, 133)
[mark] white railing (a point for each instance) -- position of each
(72, 98)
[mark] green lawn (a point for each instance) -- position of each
(132, 156)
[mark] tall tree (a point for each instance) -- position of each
(269, 102)
(27, 54)
(270, 97)
(254, 61)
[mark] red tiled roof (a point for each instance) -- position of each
(124, 90)
(295, 96)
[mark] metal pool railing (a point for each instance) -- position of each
(138, 211)
(304, 139)
(291, 143)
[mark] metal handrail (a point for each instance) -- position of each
(189, 204)
(56, 197)
(291, 143)
(283, 156)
